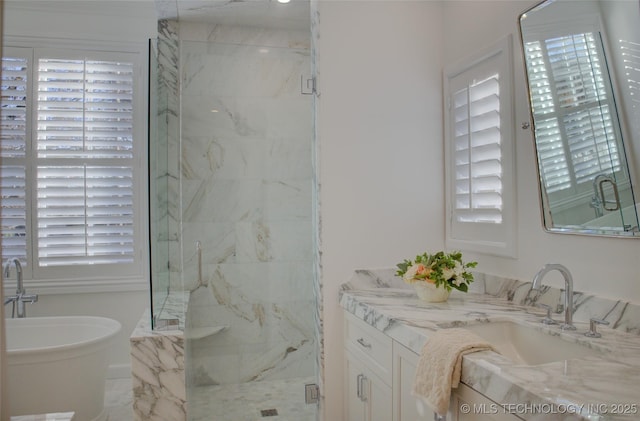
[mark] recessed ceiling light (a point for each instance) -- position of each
(284, 1)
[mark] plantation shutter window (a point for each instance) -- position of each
(84, 208)
(479, 174)
(72, 169)
(13, 146)
(476, 110)
(572, 67)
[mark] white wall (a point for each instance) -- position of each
(380, 152)
(380, 148)
(121, 21)
(603, 266)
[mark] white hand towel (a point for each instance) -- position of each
(440, 365)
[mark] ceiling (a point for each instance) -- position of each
(255, 13)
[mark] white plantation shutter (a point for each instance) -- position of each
(13, 146)
(571, 67)
(71, 173)
(85, 215)
(14, 107)
(85, 109)
(479, 156)
(478, 174)
(14, 216)
(85, 162)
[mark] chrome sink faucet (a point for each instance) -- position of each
(568, 285)
(21, 298)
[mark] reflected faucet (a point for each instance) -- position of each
(568, 285)
(21, 298)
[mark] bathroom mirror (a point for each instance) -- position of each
(582, 61)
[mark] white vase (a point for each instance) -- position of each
(430, 293)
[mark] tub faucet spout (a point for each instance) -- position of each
(7, 273)
(21, 298)
(568, 285)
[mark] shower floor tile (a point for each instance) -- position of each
(271, 400)
(278, 400)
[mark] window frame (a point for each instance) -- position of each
(89, 278)
(489, 238)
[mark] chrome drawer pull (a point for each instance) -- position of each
(362, 393)
(364, 343)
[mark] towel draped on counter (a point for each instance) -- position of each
(440, 364)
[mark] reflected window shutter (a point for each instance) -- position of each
(13, 144)
(576, 69)
(551, 152)
(84, 171)
(478, 168)
(592, 144)
(570, 66)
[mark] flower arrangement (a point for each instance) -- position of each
(446, 269)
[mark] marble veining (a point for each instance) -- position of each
(158, 373)
(246, 195)
(173, 307)
(591, 387)
(240, 182)
(164, 163)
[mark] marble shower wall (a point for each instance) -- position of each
(246, 179)
(165, 166)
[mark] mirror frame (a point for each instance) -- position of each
(545, 211)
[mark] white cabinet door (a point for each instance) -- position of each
(368, 397)
(379, 400)
(354, 406)
(407, 407)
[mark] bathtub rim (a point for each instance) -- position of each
(16, 356)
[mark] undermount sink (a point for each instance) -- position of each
(527, 345)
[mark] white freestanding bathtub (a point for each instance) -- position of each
(59, 364)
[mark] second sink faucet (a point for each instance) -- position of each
(568, 293)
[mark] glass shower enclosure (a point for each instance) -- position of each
(232, 237)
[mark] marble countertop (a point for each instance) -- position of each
(589, 388)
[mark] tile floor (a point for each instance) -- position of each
(274, 400)
(118, 400)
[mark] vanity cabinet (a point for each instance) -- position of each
(379, 375)
(369, 398)
(368, 363)
(407, 407)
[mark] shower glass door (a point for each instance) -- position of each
(246, 198)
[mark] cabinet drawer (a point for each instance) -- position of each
(373, 346)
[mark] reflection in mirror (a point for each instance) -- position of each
(574, 52)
